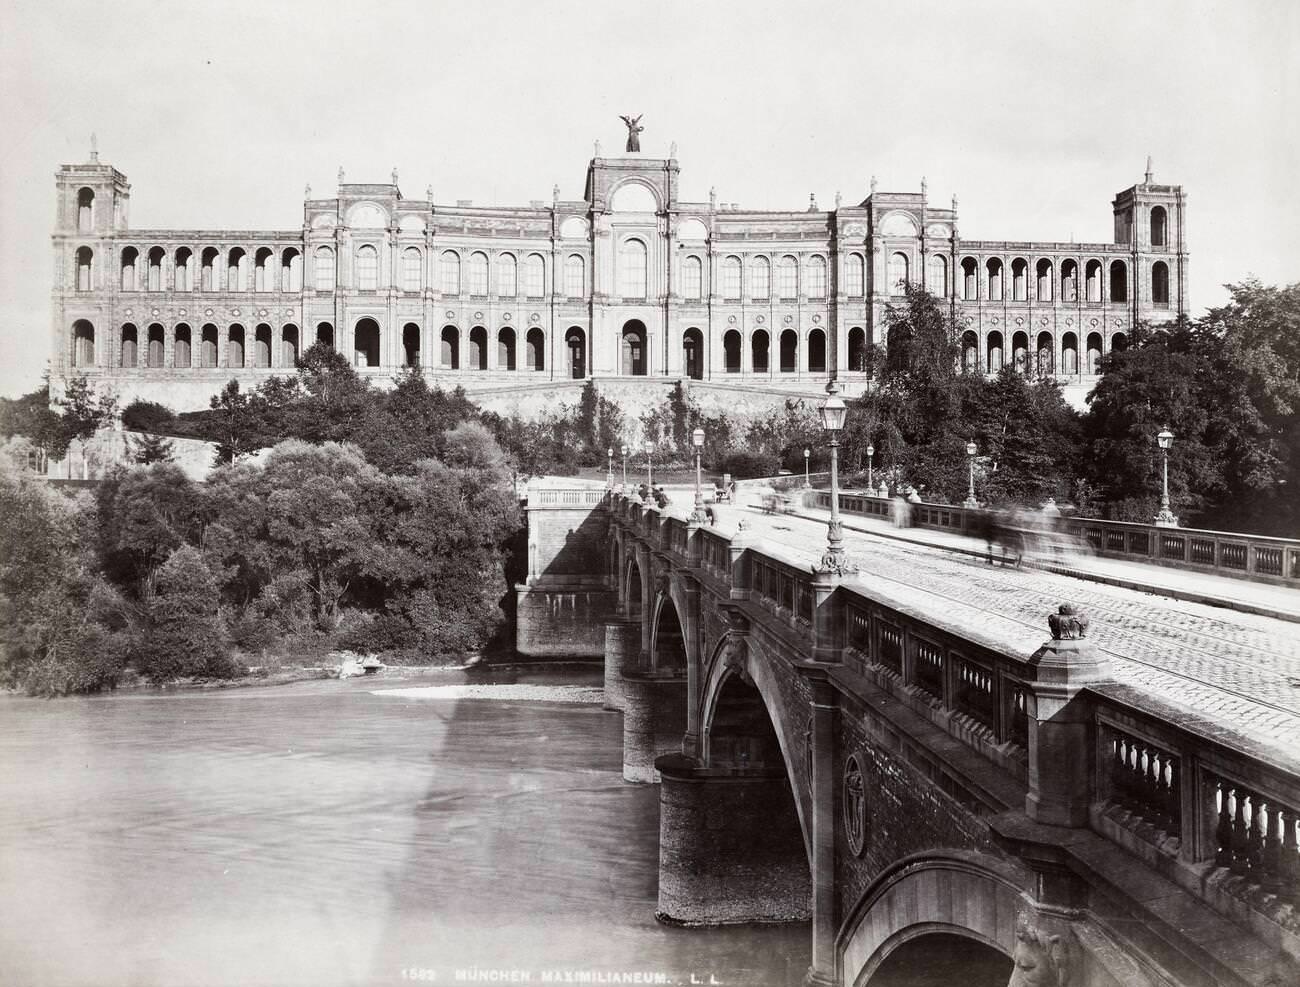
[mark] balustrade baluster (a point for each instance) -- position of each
(1223, 832)
(1289, 869)
(1160, 792)
(1174, 800)
(1254, 839)
(1271, 856)
(1240, 839)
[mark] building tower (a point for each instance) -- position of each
(1151, 220)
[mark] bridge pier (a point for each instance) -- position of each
(654, 720)
(622, 650)
(730, 847)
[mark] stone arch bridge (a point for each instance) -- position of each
(832, 750)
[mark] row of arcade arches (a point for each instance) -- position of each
(1046, 357)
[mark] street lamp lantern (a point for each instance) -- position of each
(649, 474)
(623, 450)
(871, 451)
(833, 412)
(697, 440)
(806, 454)
(970, 500)
(609, 472)
(1165, 518)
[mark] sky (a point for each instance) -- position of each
(1033, 116)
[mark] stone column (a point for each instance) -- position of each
(1061, 758)
(730, 850)
(654, 720)
(622, 650)
(828, 617)
(821, 970)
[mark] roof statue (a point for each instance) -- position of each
(634, 129)
(94, 149)
(923, 186)
(838, 199)
(1148, 177)
(555, 193)
(341, 175)
(306, 191)
(394, 174)
(672, 150)
(596, 148)
(873, 184)
(428, 192)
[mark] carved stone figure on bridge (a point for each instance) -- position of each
(1068, 623)
(1040, 960)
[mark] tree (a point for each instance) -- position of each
(236, 426)
(185, 635)
(144, 515)
(150, 448)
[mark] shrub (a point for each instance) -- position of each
(743, 465)
(148, 416)
(185, 635)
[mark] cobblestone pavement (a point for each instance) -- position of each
(1238, 673)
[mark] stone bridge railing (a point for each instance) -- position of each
(1065, 745)
(1226, 553)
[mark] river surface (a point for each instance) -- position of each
(342, 833)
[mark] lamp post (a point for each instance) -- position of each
(1165, 518)
(970, 500)
(806, 453)
(833, 413)
(609, 472)
(697, 440)
(623, 449)
(649, 475)
(871, 451)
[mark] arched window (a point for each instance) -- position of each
(787, 278)
(897, 273)
(262, 346)
(156, 256)
(262, 270)
(129, 340)
(325, 334)
(129, 257)
(1043, 272)
(759, 351)
(291, 270)
(1160, 283)
(83, 344)
(760, 278)
(478, 275)
(237, 270)
(855, 276)
(477, 357)
(731, 279)
(450, 354)
(506, 349)
(208, 346)
(1069, 281)
(1118, 281)
(181, 347)
(157, 342)
(449, 267)
(181, 268)
(235, 347)
(324, 269)
(289, 344)
(534, 276)
(857, 350)
(367, 268)
(1020, 352)
(85, 263)
(575, 345)
(1092, 274)
(1019, 280)
(816, 276)
(731, 351)
(1159, 224)
(1069, 353)
(507, 276)
(85, 211)
(817, 351)
(366, 339)
(1046, 355)
(939, 275)
(632, 268)
(635, 363)
(970, 352)
(994, 269)
(969, 279)
(209, 269)
(412, 269)
(575, 277)
(994, 349)
(692, 277)
(693, 354)
(535, 350)
(1118, 342)
(789, 351)
(1093, 365)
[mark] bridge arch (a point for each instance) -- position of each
(954, 893)
(669, 649)
(633, 586)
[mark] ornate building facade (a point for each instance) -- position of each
(627, 282)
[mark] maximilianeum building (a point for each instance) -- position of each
(627, 282)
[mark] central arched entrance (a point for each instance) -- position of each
(634, 348)
(939, 959)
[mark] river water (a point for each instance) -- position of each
(342, 832)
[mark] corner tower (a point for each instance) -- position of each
(1151, 221)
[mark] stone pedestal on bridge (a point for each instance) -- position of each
(622, 649)
(730, 848)
(654, 721)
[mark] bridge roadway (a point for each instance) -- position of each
(1228, 675)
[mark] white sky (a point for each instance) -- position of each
(1033, 117)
